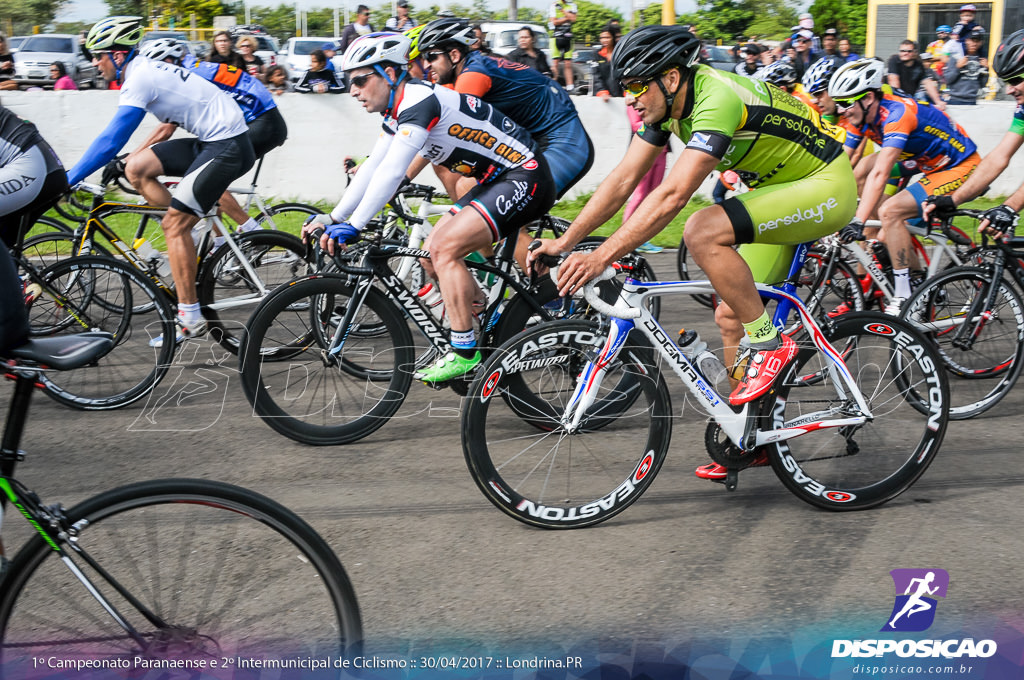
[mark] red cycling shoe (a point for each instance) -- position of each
(762, 370)
(716, 472)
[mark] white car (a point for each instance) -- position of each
(294, 56)
(501, 36)
(33, 59)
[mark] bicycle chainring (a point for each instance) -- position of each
(723, 451)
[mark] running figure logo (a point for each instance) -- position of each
(916, 590)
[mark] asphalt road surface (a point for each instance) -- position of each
(434, 564)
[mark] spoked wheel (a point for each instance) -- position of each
(203, 571)
(559, 476)
(860, 466)
(688, 271)
(287, 217)
(308, 394)
(982, 348)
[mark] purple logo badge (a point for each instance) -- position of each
(916, 590)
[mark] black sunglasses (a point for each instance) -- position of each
(360, 81)
(1014, 81)
(432, 56)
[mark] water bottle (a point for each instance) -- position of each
(484, 278)
(157, 260)
(696, 350)
(430, 295)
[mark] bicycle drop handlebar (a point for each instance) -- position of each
(590, 293)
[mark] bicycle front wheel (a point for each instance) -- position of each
(287, 217)
(230, 287)
(982, 348)
(95, 293)
(308, 394)
(198, 569)
(557, 476)
(861, 466)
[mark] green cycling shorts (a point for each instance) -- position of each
(771, 221)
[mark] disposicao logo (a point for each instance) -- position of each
(916, 590)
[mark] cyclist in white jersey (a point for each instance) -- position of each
(461, 133)
(220, 152)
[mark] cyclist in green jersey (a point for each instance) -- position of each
(777, 144)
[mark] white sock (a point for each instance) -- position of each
(189, 313)
(249, 225)
(902, 277)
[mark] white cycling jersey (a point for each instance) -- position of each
(457, 131)
(177, 95)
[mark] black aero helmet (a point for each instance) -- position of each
(1009, 60)
(440, 32)
(649, 50)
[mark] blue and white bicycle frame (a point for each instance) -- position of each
(739, 424)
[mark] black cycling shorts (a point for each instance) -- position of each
(13, 314)
(267, 132)
(30, 185)
(513, 200)
(206, 169)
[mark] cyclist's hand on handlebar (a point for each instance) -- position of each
(112, 171)
(942, 206)
(579, 268)
(342, 233)
(315, 222)
(999, 222)
(854, 231)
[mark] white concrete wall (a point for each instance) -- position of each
(323, 129)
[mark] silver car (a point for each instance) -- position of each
(33, 59)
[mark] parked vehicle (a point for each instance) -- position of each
(267, 46)
(294, 56)
(32, 62)
(501, 36)
(720, 57)
(14, 42)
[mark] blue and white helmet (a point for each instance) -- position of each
(780, 73)
(819, 74)
(163, 48)
(373, 49)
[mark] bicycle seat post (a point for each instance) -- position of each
(17, 415)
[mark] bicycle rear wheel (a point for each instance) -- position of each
(983, 350)
(287, 217)
(308, 396)
(215, 570)
(228, 292)
(95, 293)
(861, 466)
(688, 271)
(551, 477)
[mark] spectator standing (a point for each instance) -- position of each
(223, 51)
(528, 54)
(561, 17)
(319, 79)
(277, 80)
(481, 42)
(361, 26)
(937, 48)
(908, 73)
(254, 66)
(751, 60)
(963, 28)
(61, 79)
(846, 51)
(830, 47)
(401, 22)
(7, 73)
(967, 75)
(802, 55)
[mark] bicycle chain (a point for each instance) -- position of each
(723, 451)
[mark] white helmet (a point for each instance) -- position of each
(162, 48)
(112, 32)
(856, 79)
(377, 48)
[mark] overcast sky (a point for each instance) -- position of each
(94, 10)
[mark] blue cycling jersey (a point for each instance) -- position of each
(249, 93)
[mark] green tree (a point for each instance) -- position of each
(524, 15)
(591, 18)
(21, 16)
(849, 16)
(725, 20)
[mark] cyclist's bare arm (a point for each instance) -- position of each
(991, 167)
(611, 194)
(416, 167)
(656, 211)
(874, 187)
(161, 133)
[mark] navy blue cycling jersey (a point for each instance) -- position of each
(532, 100)
(248, 92)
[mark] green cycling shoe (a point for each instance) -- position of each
(448, 367)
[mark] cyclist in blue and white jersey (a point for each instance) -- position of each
(267, 129)
(461, 133)
(220, 152)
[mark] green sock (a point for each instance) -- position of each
(762, 330)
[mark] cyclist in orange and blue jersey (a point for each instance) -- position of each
(914, 138)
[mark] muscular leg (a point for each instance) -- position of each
(142, 171)
(449, 243)
(181, 253)
(893, 213)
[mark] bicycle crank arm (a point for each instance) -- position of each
(785, 433)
